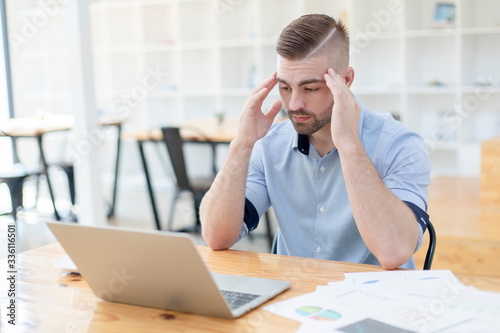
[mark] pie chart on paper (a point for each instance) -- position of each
(314, 312)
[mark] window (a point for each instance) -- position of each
(5, 146)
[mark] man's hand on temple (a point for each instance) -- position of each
(254, 124)
(345, 112)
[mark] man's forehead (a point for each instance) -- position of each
(304, 71)
(301, 82)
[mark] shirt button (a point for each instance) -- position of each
(322, 169)
(318, 249)
(322, 209)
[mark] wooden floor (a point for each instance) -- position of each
(468, 233)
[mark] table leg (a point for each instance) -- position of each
(46, 173)
(115, 185)
(148, 181)
(214, 156)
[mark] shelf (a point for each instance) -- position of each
(159, 47)
(163, 93)
(482, 89)
(437, 32)
(122, 4)
(43, 94)
(481, 30)
(243, 92)
(199, 93)
(28, 12)
(415, 90)
(146, 3)
(115, 49)
(239, 43)
(44, 53)
(361, 38)
(197, 45)
(376, 90)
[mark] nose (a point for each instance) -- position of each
(296, 101)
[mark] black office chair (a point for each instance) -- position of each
(14, 179)
(196, 186)
(432, 247)
(69, 171)
(15, 176)
(428, 258)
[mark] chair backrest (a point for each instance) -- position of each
(428, 258)
(432, 246)
(173, 140)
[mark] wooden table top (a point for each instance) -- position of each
(50, 300)
(204, 129)
(39, 125)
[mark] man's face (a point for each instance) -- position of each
(305, 95)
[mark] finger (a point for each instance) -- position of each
(329, 82)
(269, 82)
(274, 109)
(338, 79)
(256, 100)
(335, 82)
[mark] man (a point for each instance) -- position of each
(345, 184)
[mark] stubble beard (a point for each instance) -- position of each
(314, 124)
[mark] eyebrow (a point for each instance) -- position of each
(302, 83)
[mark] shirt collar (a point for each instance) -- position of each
(300, 142)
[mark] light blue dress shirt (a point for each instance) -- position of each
(308, 192)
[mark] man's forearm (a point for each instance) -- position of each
(222, 207)
(385, 223)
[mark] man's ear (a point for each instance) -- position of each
(348, 76)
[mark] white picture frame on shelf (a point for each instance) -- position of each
(444, 15)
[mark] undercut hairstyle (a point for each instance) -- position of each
(314, 34)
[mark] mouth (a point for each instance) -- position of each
(300, 119)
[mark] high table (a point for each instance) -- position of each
(50, 300)
(37, 127)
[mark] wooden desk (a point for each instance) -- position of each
(37, 127)
(50, 300)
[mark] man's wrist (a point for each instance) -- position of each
(242, 143)
(351, 148)
(242, 146)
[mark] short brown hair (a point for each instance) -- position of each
(311, 34)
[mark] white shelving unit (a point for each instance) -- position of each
(444, 83)
(213, 54)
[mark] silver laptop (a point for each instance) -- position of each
(158, 269)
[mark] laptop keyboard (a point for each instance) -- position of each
(236, 299)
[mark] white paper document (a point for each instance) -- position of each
(395, 301)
